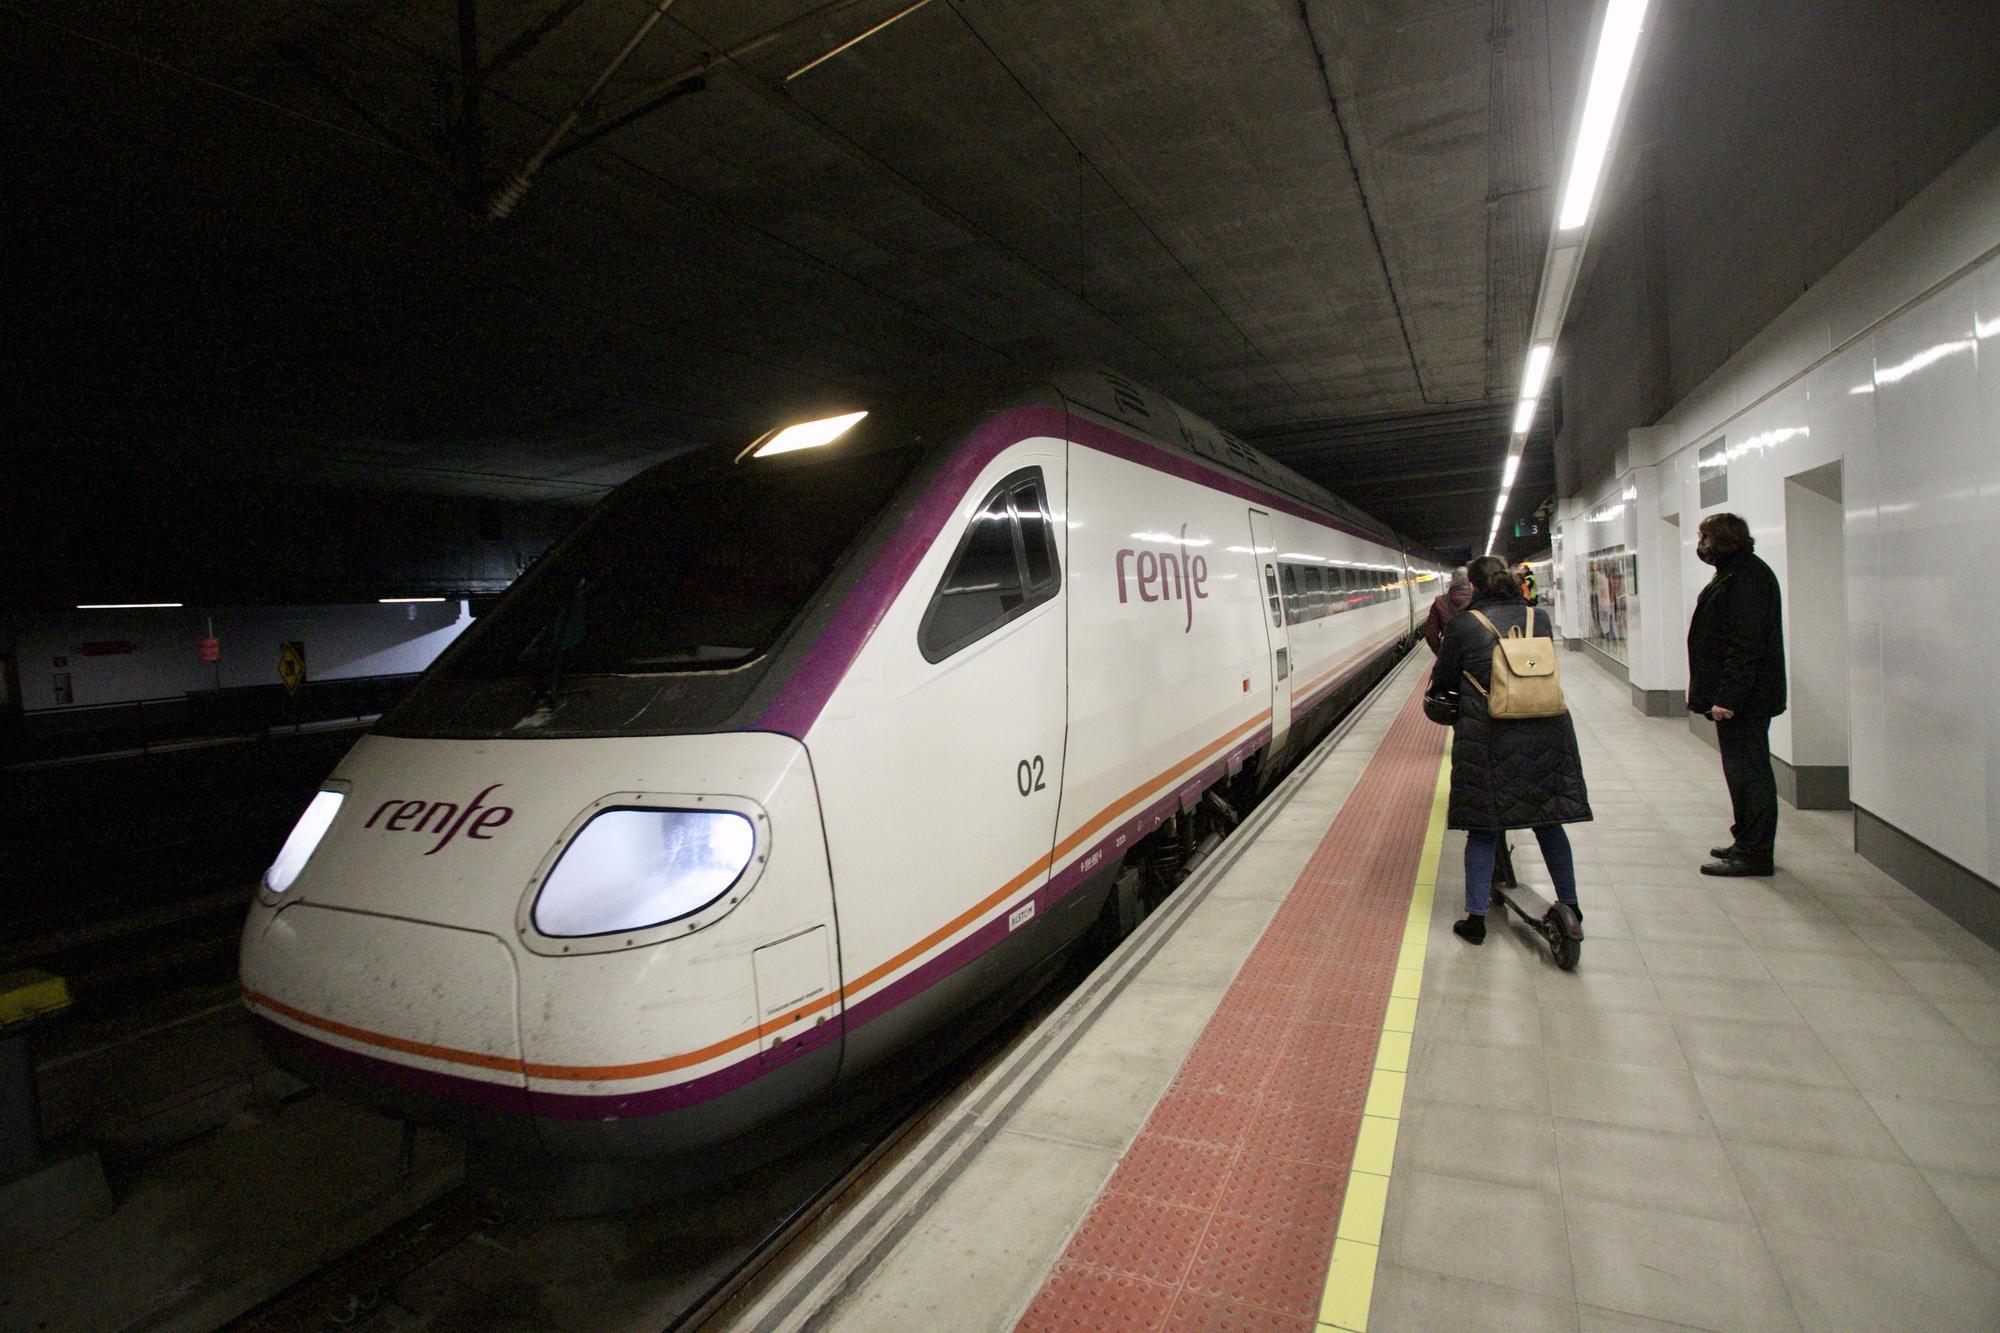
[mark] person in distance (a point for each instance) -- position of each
(1446, 605)
(1505, 774)
(1736, 676)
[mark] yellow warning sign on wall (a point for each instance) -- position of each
(292, 665)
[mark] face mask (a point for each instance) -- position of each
(1704, 552)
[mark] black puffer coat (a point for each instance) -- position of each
(1505, 774)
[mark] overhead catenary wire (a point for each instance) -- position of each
(508, 196)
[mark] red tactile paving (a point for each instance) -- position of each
(1153, 1242)
(1079, 1297)
(1211, 1314)
(1222, 1212)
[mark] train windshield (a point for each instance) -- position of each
(698, 570)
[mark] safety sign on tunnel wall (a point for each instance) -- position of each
(292, 665)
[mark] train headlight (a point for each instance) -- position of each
(304, 840)
(633, 869)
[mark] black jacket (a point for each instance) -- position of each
(1736, 642)
(1504, 774)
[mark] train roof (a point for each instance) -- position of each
(1121, 399)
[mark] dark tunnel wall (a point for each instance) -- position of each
(120, 532)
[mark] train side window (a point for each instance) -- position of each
(1038, 537)
(1291, 577)
(990, 579)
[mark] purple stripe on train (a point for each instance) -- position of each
(495, 1096)
(799, 704)
(805, 694)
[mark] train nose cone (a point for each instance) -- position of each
(426, 1022)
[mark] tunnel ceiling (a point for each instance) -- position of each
(258, 236)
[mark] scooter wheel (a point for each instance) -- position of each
(1565, 934)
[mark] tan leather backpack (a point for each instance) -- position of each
(1524, 679)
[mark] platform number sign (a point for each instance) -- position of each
(292, 665)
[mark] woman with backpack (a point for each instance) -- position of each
(1519, 769)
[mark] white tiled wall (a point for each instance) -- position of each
(1890, 367)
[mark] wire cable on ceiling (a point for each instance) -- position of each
(1361, 192)
(1126, 204)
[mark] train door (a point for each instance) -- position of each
(1264, 542)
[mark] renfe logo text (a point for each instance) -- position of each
(442, 817)
(1164, 576)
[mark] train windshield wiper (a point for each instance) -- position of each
(566, 633)
(699, 652)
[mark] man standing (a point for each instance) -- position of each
(1736, 675)
(1455, 598)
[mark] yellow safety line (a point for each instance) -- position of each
(1350, 1277)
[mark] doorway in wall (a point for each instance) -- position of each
(1816, 640)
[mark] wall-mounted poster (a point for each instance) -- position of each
(1614, 599)
(1712, 466)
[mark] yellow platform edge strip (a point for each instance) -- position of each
(1350, 1275)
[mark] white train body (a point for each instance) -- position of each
(1070, 612)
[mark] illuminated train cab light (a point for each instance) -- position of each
(808, 435)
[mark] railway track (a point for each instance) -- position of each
(477, 1227)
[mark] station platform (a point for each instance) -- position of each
(1294, 1099)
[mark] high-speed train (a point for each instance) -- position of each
(792, 755)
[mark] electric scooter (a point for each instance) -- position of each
(1558, 924)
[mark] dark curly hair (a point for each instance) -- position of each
(1727, 535)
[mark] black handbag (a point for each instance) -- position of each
(1441, 707)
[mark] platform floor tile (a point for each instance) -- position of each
(1757, 1104)
(1266, 1162)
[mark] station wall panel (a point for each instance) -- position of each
(1861, 432)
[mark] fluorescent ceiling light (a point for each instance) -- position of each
(808, 435)
(126, 606)
(1608, 74)
(1500, 506)
(395, 601)
(1507, 476)
(1539, 357)
(1554, 298)
(1524, 416)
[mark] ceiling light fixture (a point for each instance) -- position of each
(1524, 416)
(397, 601)
(1537, 375)
(808, 435)
(127, 606)
(1507, 476)
(1617, 43)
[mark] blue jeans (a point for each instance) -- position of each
(1482, 845)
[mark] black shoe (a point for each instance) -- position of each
(1728, 853)
(1737, 868)
(1472, 930)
